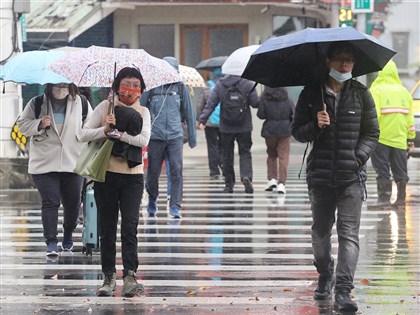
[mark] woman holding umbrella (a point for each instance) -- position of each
(338, 116)
(52, 120)
(123, 186)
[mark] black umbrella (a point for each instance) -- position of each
(211, 63)
(296, 58)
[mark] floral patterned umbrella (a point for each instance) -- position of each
(191, 77)
(97, 66)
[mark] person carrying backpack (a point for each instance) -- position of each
(54, 121)
(169, 105)
(212, 132)
(236, 95)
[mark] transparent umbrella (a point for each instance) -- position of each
(236, 62)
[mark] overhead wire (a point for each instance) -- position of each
(15, 47)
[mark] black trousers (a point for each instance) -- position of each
(386, 159)
(244, 141)
(214, 150)
(119, 193)
(56, 188)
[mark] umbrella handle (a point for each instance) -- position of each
(111, 111)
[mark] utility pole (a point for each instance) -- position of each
(11, 99)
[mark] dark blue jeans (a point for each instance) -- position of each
(55, 188)
(157, 151)
(348, 203)
(119, 193)
(244, 141)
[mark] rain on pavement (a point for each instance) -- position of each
(231, 253)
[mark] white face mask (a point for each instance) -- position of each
(60, 93)
(340, 77)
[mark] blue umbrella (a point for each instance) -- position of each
(299, 57)
(31, 68)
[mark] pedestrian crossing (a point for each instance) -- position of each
(238, 253)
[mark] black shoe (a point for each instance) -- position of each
(380, 205)
(344, 302)
(324, 289)
(228, 189)
(249, 189)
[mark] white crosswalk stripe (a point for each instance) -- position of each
(229, 249)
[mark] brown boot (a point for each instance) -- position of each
(131, 287)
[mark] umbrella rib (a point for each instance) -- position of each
(85, 71)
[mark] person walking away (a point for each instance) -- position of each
(394, 108)
(52, 120)
(338, 117)
(236, 95)
(212, 132)
(123, 187)
(169, 105)
(277, 109)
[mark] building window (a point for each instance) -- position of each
(283, 25)
(400, 44)
(157, 40)
(199, 42)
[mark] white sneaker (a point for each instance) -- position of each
(281, 189)
(272, 183)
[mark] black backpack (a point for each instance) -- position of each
(39, 99)
(21, 139)
(234, 106)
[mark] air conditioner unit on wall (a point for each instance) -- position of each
(22, 6)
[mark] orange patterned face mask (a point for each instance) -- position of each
(128, 95)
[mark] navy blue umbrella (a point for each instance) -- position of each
(297, 58)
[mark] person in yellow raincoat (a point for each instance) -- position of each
(394, 107)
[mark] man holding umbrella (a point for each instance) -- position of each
(337, 115)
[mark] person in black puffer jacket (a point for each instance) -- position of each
(338, 117)
(277, 109)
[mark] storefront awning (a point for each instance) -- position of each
(62, 20)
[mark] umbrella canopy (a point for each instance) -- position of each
(191, 77)
(211, 63)
(30, 67)
(97, 66)
(236, 62)
(296, 58)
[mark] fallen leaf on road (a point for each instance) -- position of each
(364, 281)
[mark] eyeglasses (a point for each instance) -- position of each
(131, 85)
(343, 59)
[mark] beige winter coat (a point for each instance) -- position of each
(49, 151)
(94, 129)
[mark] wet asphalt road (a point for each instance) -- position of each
(231, 253)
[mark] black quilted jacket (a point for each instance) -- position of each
(339, 151)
